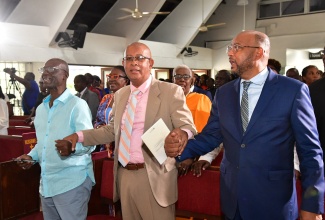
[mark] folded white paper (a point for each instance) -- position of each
(154, 138)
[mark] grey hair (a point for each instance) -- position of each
(182, 66)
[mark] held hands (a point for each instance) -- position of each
(198, 166)
(184, 166)
(175, 142)
(67, 146)
(304, 215)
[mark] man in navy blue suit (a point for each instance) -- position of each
(257, 171)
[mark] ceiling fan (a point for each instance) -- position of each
(204, 27)
(136, 14)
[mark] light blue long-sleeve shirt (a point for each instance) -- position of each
(67, 115)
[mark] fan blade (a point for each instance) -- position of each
(124, 17)
(156, 13)
(215, 25)
(126, 10)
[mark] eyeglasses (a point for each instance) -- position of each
(50, 69)
(115, 77)
(139, 58)
(179, 76)
(236, 47)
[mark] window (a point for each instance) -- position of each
(278, 8)
(317, 5)
(293, 7)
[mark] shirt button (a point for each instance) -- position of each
(242, 145)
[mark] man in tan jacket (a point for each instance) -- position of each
(147, 190)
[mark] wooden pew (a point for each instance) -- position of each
(199, 197)
(10, 147)
(19, 117)
(19, 130)
(18, 191)
(102, 193)
(17, 122)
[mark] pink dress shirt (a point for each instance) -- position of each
(136, 155)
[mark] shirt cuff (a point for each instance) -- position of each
(189, 133)
(80, 136)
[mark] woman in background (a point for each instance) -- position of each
(115, 80)
(310, 74)
(4, 114)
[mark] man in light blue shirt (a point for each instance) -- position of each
(66, 176)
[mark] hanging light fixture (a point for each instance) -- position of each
(243, 3)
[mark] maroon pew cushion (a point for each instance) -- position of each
(200, 194)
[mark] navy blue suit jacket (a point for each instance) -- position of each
(257, 171)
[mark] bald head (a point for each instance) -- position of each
(60, 63)
(138, 46)
(249, 53)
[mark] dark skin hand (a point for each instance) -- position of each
(198, 166)
(184, 167)
(64, 147)
(25, 165)
(175, 142)
(73, 139)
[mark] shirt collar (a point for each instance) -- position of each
(83, 91)
(191, 89)
(259, 79)
(62, 98)
(144, 87)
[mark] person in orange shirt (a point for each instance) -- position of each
(199, 105)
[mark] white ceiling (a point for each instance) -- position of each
(179, 27)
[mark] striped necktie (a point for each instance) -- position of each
(124, 146)
(244, 109)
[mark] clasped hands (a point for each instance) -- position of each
(175, 142)
(67, 145)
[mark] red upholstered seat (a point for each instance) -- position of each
(99, 155)
(106, 190)
(200, 194)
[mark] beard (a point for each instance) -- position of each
(245, 66)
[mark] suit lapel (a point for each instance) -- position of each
(235, 97)
(268, 91)
(155, 102)
(120, 105)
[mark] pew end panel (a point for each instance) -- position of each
(19, 194)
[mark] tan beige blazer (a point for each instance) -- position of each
(166, 101)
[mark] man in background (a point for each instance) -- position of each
(31, 89)
(80, 84)
(90, 80)
(317, 94)
(293, 73)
